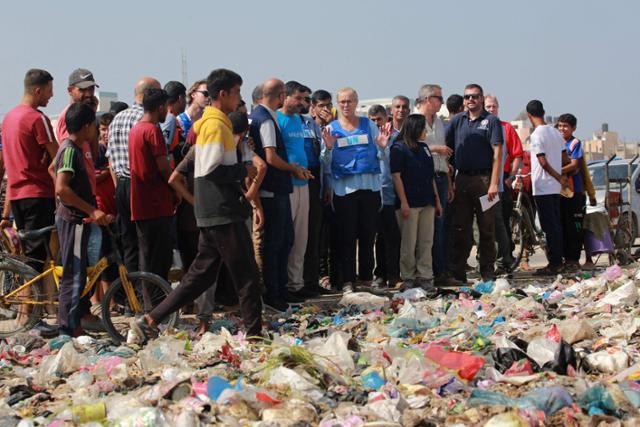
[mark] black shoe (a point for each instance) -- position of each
(46, 330)
(275, 304)
(305, 293)
(319, 290)
(292, 298)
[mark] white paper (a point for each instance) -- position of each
(486, 204)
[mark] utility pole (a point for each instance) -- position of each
(184, 68)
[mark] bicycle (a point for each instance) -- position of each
(525, 234)
(22, 298)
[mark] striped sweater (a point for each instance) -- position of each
(217, 172)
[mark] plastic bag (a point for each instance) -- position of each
(333, 352)
(564, 360)
(296, 382)
(542, 350)
(504, 358)
(521, 367)
(574, 330)
(597, 400)
(364, 300)
(547, 399)
(372, 380)
(413, 294)
(613, 272)
(465, 365)
(626, 294)
(609, 361)
(484, 287)
(162, 352)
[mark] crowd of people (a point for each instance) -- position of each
(291, 201)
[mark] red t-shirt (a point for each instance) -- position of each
(514, 145)
(151, 196)
(62, 134)
(25, 132)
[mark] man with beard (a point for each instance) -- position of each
(293, 137)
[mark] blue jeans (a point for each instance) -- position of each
(277, 243)
(439, 250)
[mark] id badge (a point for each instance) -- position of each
(349, 141)
(308, 134)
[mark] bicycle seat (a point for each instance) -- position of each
(34, 235)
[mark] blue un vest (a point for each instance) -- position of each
(354, 152)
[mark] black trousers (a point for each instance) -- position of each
(74, 240)
(312, 255)
(188, 247)
(388, 245)
(33, 214)
(126, 228)
(229, 245)
(156, 245)
(469, 189)
(572, 213)
(330, 264)
(549, 214)
(357, 218)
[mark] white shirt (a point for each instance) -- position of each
(435, 136)
(546, 140)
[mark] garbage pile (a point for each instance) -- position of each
(492, 354)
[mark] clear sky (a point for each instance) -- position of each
(575, 56)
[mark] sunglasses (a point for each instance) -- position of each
(472, 96)
(204, 93)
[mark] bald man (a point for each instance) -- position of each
(118, 154)
(274, 194)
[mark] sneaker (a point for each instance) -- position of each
(347, 288)
(141, 328)
(319, 290)
(277, 305)
(292, 298)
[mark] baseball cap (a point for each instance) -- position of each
(82, 78)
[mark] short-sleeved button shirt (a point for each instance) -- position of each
(70, 159)
(472, 140)
(416, 170)
(151, 196)
(25, 132)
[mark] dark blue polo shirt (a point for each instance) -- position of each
(417, 172)
(472, 140)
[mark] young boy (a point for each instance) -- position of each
(221, 211)
(571, 209)
(181, 181)
(73, 189)
(152, 200)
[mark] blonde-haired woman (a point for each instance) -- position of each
(353, 148)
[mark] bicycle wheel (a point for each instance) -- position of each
(150, 290)
(16, 314)
(517, 237)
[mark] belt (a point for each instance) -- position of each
(475, 172)
(441, 174)
(124, 178)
